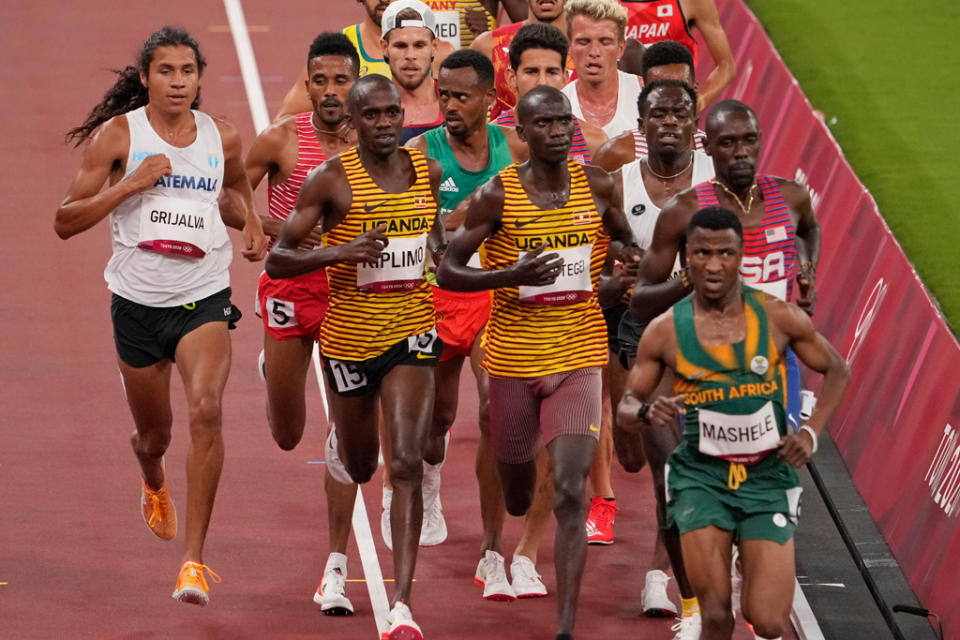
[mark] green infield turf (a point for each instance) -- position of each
(888, 74)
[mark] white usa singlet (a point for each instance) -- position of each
(626, 116)
(641, 212)
(181, 205)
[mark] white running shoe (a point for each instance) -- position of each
(402, 626)
(492, 576)
(334, 463)
(434, 528)
(736, 581)
(262, 366)
(385, 529)
(688, 628)
(654, 599)
(526, 580)
(331, 594)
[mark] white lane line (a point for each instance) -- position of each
(361, 524)
(248, 64)
(801, 615)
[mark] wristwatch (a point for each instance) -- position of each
(643, 411)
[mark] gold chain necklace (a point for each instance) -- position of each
(751, 193)
(677, 174)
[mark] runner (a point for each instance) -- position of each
(732, 480)
(293, 309)
(377, 207)
(544, 345)
(167, 166)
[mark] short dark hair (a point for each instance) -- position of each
(666, 52)
(728, 106)
(715, 219)
(365, 84)
(529, 103)
(334, 44)
(538, 36)
(477, 61)
(659, 84)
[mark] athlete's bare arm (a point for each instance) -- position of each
(609, 200)
(655, 352)
(484, 44)
(615, 152)
(517, 10)
(798, 200)
(324, 200)
(655, 292)
(483, 215)
(438, 237)
(105, 157)
(268, 155)
(702, 15)
(593, 135)
(817, 353)
(237, 208)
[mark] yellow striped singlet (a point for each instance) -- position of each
(367, 64)
(529, 338)
(362, 324)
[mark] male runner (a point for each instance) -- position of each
(732, 480)
(602, 95)
(377, 207)
(293, 309)
(409, 46)
(496, 46)
(661, 61)
(167, 165)
(546, 225)
(470, 151)
(668, 120)
(651, 21)
(367, 37)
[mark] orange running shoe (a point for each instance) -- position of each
(192, 586)
(158, 511)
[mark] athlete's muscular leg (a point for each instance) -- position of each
(340, 499)
(768, 583)
(148, 395)
(492, 510)
(628, 446)
(286, 363)
(203, 360)
(602, 460)
(658, 444)
(407, 394)
(571, 457)
(444, 407)
(537, 519)
(707, 554)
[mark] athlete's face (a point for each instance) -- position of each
(546, 10)
(733, 140)
(668, 120)
(173, 79)
(329, 79)
(375, 9)
(377, 116)
(409, 51)
(547, 128)
(537, 67)
(463, 101)
(677, 71)
(595, 47)
(713, 256)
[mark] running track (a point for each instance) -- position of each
(75, 557)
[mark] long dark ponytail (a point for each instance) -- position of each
(128, 93)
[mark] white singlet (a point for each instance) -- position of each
(159, 279)
(626, 116)
(641, 212)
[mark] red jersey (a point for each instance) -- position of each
(282, 197)
(651, 21)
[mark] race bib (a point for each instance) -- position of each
(448, 25)
(745, 439)
(400, 267)
(571, 286)
(176, 225)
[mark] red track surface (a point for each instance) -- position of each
(76, 559)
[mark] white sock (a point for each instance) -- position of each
(336, 561)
